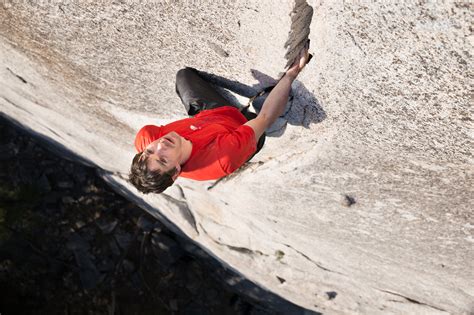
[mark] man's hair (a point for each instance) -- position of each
(148, 181)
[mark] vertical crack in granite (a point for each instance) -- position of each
(301, 17)
(356, 43)
(314, 262)
(19, 77)
(240, 249)
(15, 105)
(411, 300)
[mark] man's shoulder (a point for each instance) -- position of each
(146, 135)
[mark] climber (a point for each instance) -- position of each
(214, 141)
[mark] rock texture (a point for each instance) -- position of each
(362, 204)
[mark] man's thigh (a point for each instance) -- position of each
(197, 94)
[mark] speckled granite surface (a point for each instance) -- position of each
(366, 193)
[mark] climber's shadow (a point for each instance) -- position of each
(303, 107)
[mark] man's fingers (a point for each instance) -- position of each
(304, 57)
(302, 60)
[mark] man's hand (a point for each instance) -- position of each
(276, 101)
(299, 62)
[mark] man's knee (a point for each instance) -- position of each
(184, 73)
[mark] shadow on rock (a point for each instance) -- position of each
(302, 109)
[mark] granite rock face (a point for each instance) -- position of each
(361, 204)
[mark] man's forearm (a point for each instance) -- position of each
(275, 104)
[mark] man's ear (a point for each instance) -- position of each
(178, 171)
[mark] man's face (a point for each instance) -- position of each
(164, 153)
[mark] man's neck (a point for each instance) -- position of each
(187, 149)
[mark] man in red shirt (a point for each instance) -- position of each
(214, 141)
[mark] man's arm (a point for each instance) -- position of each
(276, 101)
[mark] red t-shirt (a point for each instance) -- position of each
(221, 141)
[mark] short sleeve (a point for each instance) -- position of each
(234, 148)
(145, 136)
